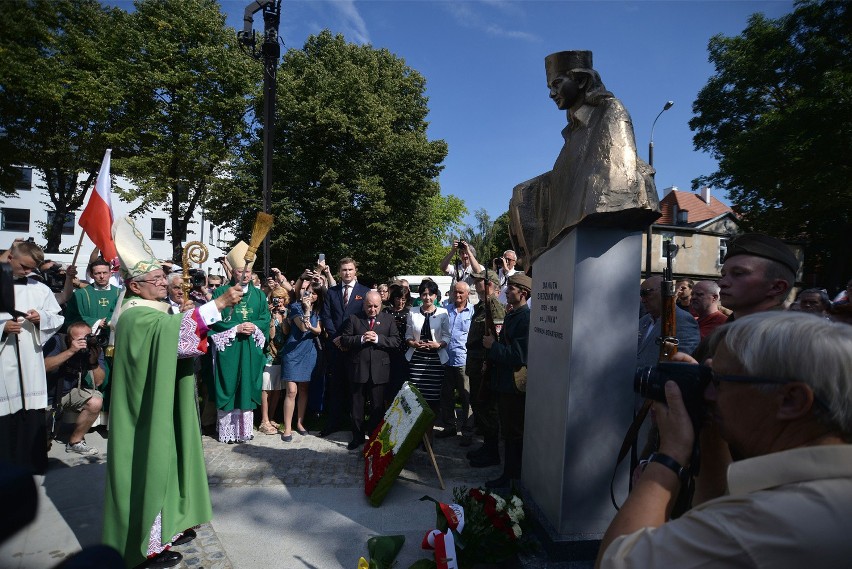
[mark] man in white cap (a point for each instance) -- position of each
(237, 358)
(156, 480)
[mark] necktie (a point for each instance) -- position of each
(345, 295)
(372, 321)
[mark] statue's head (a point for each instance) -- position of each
(571, 79)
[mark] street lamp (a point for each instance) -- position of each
(666, 107)
(649, 233)
(269, 53)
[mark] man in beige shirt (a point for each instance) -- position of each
(775, 485)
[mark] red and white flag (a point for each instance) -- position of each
(97, 217)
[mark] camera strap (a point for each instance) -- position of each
(630, 439)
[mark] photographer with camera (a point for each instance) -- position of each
(75, 368)
(775, 481)
(465, 264)
(505, 267)
(59, 279)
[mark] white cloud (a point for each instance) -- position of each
(352, 24)
(468, 15)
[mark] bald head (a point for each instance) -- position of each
(372, 304)
(705, 298)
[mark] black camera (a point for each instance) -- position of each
(197, 278)
(54, 278)
(498, 262)
(462, 244)
(219, 259)
(692, 380)
(99, 340)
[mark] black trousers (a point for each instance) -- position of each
(338, 396)
(23, 439)
(360, 427)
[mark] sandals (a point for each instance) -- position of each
(267, 429)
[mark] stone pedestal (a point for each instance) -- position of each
(582, 358)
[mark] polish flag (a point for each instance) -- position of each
(97, 217)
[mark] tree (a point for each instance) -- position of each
(191, 89)
(777, 115)
(60, 103)
(354, 172)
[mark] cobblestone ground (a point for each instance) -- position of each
(311, 461)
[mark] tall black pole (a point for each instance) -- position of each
(271, 51)
(649, 235)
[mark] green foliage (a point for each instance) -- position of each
(444, 224)
(189, 91)
(354, 172)
(60, 103)
(777, 114)
(489, 238)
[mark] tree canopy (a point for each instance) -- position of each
(189, 89)
(59, 101)
(354, 171)
(777, 115)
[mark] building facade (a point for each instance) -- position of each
(26, 213)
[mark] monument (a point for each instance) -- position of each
(579, 228)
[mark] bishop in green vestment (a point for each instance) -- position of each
(156, 483)
(237, 356)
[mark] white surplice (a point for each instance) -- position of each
(31, 296)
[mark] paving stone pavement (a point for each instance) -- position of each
(314, 480)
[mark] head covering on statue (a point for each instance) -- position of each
(598, 178)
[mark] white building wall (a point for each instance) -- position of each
(35, 200)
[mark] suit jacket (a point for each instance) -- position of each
(334, 314)
(687, 335)
(369, 360)
(439, 325)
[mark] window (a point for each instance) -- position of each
(67, 227)
(15, 219)
(25, 179)
(158, 229)
(210, 237)
(723, 250)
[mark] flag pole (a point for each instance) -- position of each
(77, 252)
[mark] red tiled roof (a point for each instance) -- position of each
(698, 209)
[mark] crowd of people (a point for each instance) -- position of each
(270, 356)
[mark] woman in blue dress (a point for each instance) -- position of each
(299, 354)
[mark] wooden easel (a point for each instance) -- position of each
(434, 462)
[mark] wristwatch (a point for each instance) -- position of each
(681, 471)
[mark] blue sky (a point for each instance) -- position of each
(484, 67)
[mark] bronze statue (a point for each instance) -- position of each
(598, 179)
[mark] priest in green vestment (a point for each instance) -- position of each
(95, 303)
(156, 487)
(237, 358)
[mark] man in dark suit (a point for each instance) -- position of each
(368, 340)
(342, 301)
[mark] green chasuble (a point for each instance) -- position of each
(90, 305)
(236, 370)
(155, 461)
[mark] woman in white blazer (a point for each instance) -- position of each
(427, 335)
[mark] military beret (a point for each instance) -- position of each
(760, 245)
(492, 276)
(521, 280)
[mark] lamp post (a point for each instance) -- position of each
(269, 53)
(649, 234)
